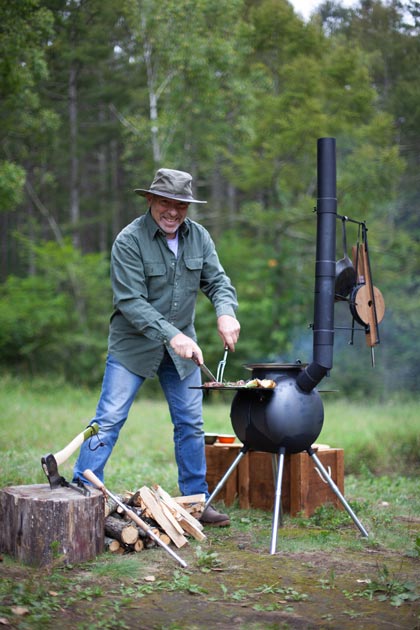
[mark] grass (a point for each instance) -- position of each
(42, 416)
(319, 557)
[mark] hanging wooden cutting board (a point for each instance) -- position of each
(367, 302)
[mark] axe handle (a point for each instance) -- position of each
(68, 450)
(90, 476)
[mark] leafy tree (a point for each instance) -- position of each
(96, 95)
(187, 78)
(24, 28)
(56, 321)
(24, 31)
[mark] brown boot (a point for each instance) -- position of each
(211, 517)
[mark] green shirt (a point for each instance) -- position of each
(155, 292)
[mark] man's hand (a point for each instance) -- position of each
(186, 347)
(228, 328)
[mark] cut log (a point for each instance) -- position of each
(112, 545)
(123, 531)
(40, 525)
(110, 506)
(165, 538)
(161, 518)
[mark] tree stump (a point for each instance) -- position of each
(39, 525)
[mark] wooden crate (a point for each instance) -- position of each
(253, 480)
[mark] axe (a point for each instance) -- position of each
(51, 462)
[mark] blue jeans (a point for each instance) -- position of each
(119, 389)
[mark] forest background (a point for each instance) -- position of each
(96, 95)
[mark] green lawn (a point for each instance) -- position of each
(41, 416)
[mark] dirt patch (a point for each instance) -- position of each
(230, 580)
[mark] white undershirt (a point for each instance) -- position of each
(173, 244)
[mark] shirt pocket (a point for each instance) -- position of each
(156, 278)
(194, 266)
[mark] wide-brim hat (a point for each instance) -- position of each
(171, 184)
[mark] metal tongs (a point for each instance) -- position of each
(221, 366)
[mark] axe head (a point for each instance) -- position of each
(49, 465)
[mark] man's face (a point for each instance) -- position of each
(168, 213)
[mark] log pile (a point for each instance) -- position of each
(170, 518)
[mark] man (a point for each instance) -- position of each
(158, 264)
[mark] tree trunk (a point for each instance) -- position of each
(74, 158)
(40, 525)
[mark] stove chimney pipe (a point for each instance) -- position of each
(323, 330)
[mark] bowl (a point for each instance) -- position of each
(210, 438)
(226, 439)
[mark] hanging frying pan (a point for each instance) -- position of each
(345, 274)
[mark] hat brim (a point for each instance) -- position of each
(142, 192)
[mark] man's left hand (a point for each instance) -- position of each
(228, 328)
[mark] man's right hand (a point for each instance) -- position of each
(186, 347)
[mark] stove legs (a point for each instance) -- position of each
(226, 476)
(327, 478)
(277, 501)
(278, 486)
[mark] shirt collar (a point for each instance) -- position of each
(154, 229)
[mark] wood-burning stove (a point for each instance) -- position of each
(289, 418)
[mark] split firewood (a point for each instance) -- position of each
(135, 499)
(193, 503)
(170, 519)
(122, 531)
(169, 514)
(188, 523)
(161, 518)
(191, 529)
(140, 506)
(126, 497)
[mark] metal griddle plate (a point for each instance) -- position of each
(219, 388)
(254, 389)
